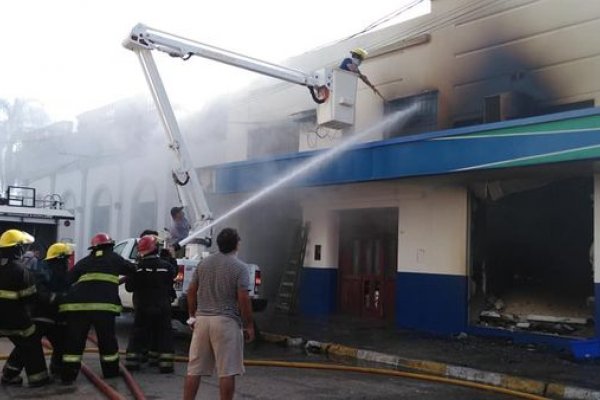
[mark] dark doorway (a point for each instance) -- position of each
(531, 266)
(368, 262)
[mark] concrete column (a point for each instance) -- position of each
(318, 287)
(324, 232)
(431, 285)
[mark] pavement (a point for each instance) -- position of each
(529, 368)
(264, 383)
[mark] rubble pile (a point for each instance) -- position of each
(494, 315)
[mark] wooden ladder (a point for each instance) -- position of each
(290, 279)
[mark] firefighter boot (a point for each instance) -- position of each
(133, 361)
(165, 364)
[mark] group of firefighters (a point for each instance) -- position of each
(55, 306)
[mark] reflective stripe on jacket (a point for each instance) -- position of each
(95, 281)
(17, 290)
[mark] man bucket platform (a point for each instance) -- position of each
(94, 300)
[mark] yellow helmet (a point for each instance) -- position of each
(58, 250)
(14, 237)
(359, 52)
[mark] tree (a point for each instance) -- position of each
(18, 119)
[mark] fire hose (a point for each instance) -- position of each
(102, 386)
(133, 386)
(112, 394)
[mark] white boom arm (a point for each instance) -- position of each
(143, 37)
(143, 40)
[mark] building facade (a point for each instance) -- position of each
(476, 213)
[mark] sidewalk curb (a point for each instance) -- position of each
(550, 389)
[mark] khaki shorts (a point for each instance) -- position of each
(217, 343)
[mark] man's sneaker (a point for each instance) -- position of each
(16, 381)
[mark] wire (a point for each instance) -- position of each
(442, 21)
(385, 19)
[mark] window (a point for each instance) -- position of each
(556, 108)
(467, 122)
(119, 248)
(279, 138)
(423, 120)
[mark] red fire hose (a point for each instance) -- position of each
(133, 386)
(102, 386)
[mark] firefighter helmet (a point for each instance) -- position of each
(147, 245)
(58, 250)
(14, 237)
(360, 53)
(101, 239)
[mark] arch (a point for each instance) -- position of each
(101, 210)
(69, 201)
(144, 208)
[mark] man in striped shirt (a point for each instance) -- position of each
(221, 315)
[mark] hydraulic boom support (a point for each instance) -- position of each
(142, 40)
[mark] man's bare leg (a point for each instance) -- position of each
(226, 387)
(191, 386)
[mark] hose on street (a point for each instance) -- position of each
(113, 395)
(100, 384)
(132, 384)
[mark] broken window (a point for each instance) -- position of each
(530, 256)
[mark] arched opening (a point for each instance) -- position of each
(68, 201)
(101, 211)
(143, 209)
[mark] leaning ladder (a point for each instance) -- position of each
(290, 279)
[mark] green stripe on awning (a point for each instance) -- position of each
(581, 153)
(573, 124)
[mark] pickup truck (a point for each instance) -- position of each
(128, 250)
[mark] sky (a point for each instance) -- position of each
(68, 55)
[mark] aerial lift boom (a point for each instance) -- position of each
(333, 90)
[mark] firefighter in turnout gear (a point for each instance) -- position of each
(93, 300)
(51, 286)
(151, 285)
(17, 292)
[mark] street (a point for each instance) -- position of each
(258, 383)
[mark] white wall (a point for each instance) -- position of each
(433, 233)
(432, 226)
(122, 180)
(502, 47)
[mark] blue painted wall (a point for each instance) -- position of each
(431, 302)
(318, 292)
(597, 309)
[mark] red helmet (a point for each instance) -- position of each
(100, 239)
(148, 244)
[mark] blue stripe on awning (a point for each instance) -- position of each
(421, 155)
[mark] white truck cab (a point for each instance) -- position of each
(128, 250)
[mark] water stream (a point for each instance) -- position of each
(395, 120)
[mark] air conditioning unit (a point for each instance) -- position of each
(507, 105)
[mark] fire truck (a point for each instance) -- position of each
(42, 216)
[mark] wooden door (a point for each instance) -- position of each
(368, 261)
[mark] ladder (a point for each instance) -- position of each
(290, 279)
